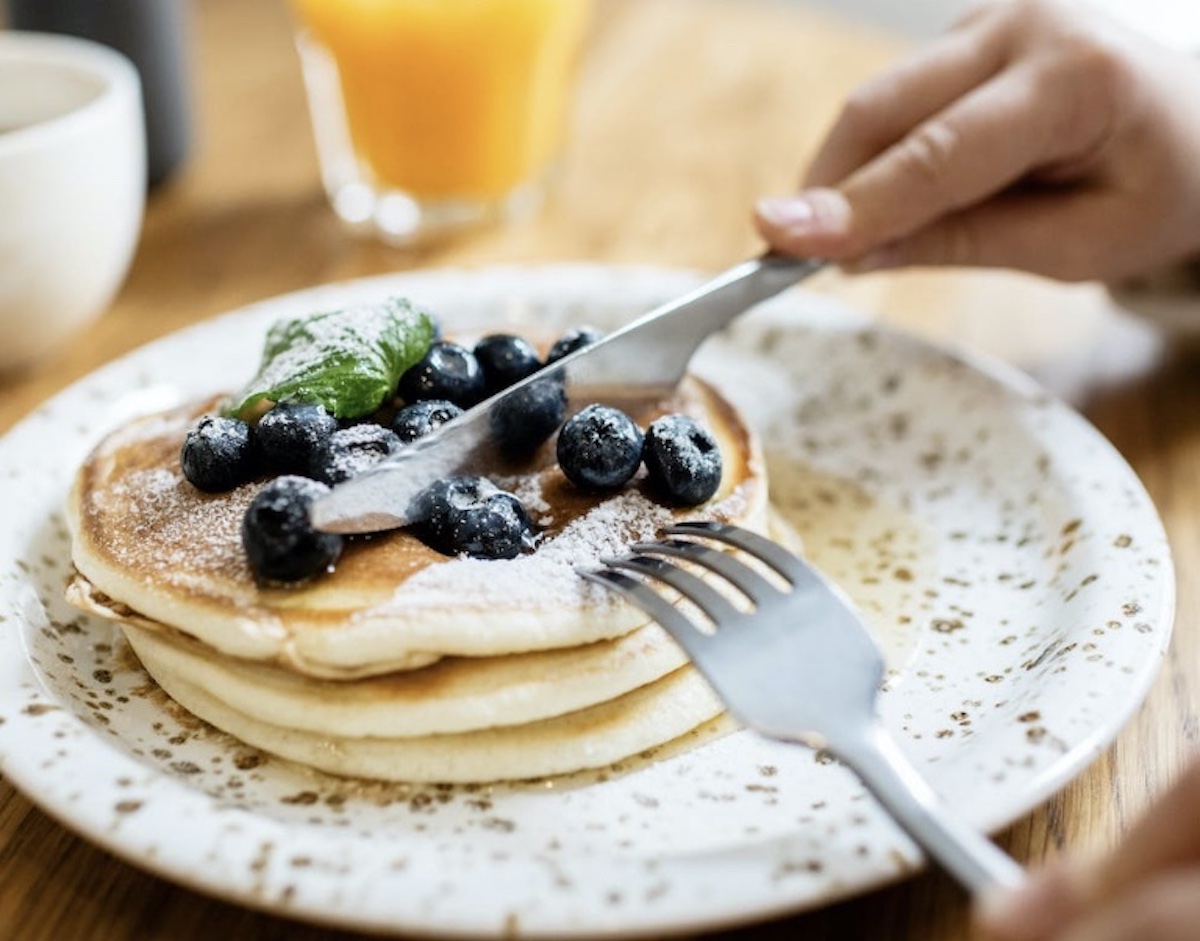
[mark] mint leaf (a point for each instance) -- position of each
(347, 360)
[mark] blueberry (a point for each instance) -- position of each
(292, 434)
(574, 339)
(447, 371)
(505, 359)
(683, 461)
(529, 416)
(350, 451)
(280, 542)
(472, 515)
(420, 418)
(599, 448)
(218, 454)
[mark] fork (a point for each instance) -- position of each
(796, 663)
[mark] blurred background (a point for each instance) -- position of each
(1174, 22)
(741, 96)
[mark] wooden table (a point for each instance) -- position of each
(687, 110)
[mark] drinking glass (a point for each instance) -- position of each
(434, 116)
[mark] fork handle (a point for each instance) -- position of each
(968, 855)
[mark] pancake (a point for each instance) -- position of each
(454, 695)
(596, 737)
(401, 663)
(458, 721)
(147, 539)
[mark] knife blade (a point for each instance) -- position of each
(647, 357)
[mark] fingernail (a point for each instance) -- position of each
(812, 211)
(786, 212)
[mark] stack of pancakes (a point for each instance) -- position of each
(401, 664)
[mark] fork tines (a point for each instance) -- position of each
(658, 564)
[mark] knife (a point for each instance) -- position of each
(647, 357)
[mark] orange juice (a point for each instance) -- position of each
(451, 99)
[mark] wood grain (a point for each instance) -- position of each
(687, 110)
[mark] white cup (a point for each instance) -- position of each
(72, 186)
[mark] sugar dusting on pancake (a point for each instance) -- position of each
(146, 537)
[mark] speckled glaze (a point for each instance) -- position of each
(1007, 556)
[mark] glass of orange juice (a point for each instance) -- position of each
(432, 116)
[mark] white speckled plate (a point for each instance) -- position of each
(1009, 559)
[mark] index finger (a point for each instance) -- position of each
(888, 106)
(978, 146)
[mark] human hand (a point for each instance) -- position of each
(1148, 888)
(1028, 136)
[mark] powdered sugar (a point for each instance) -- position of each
(528, 489)
(350, 451)
(390, 596)
(175, 529)
(354, 332)
(546, 577)
(348, 360)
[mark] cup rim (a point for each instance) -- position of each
(116, 72)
